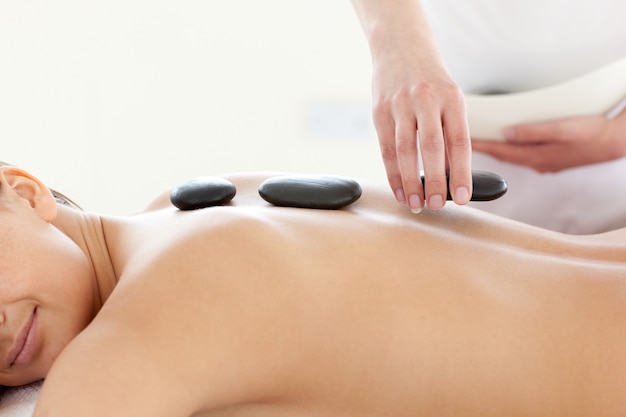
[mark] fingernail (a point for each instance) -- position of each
(461, 195)
(400, 195)
(509, 133)
(415, 204)
(435, 202)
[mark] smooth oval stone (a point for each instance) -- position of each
(310, 191)
(487, 186)
(202, 192)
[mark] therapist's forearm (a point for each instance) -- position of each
(395, 27)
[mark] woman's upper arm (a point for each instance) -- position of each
(110, 376)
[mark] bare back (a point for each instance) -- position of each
(251, 309)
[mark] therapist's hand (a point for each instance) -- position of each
(557, 145)
(414, 93)
(413, 99)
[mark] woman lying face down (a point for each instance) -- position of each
(251, 309)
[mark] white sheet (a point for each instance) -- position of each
(19, 402)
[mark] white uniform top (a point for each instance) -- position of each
(515, 45)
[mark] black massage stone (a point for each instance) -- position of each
(310, 191)
(202, 192)
(487, 186)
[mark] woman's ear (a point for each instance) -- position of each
(31, 189)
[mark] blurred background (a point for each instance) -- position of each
(115, 102)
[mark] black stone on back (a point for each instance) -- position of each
(487, 186)
(202, 192)
(310, 191)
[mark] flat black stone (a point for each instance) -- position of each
(202, 192)
(310, 191)
(487, 186)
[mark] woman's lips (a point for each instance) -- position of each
(23, 348)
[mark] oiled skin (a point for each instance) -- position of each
(255, 310)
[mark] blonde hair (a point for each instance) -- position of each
(58, 196)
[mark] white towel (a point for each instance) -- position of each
(20, 401)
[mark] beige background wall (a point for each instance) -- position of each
(114, 101)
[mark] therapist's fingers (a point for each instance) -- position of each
(386, 131)
(433, 151)
(437, 112)
(397, 126)
(407, 156)
(554, 130)
(562, 144)
(459, 149)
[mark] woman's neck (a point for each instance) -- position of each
(87, 232)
